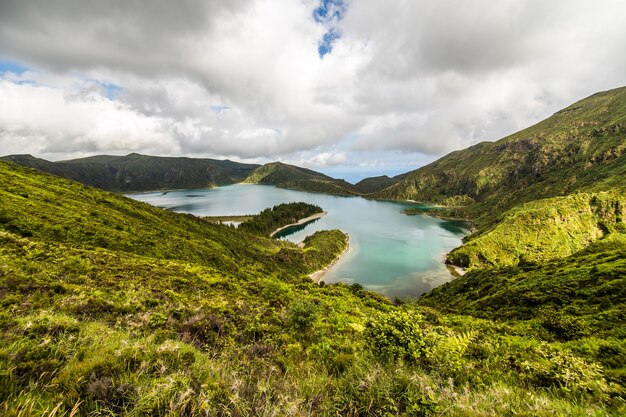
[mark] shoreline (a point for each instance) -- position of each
(222, 219)
(300, 222)
(317, 276)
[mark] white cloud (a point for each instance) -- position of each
(328, 158)
(45, 120)
(243, 79)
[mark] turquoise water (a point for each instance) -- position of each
(392, 253)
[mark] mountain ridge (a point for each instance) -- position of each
(569, 151)
(136, 172)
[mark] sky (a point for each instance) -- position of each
(350, 88)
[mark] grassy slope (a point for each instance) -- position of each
(543, 230)
(513, 189)
(114, 306)
(578, 148)
(575, 297)
(136, 172)
(296, 178)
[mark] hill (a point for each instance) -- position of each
(296, 178)
(136, 172)
(580, 148)
(540, 194)
(375, 184)
(111, 306)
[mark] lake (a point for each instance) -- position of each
(392, 253)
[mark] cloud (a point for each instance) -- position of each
(248, 80)
(44, 120)
(329, 158)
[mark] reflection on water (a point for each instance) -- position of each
(395, 254)
(456, 226)
(288, 231)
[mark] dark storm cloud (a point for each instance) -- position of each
(148, 37)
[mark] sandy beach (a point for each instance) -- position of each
(299, 222)
(455, 271)
(318, 275)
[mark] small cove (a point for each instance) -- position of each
(392, 253)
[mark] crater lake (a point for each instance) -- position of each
(390, 252)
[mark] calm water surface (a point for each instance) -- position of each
(392, 253)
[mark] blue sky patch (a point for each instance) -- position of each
(218, 108)
(12, 66)
(325, 46)
(329, 13)
(330, 10)
(111, 91)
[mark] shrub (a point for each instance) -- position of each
(564, 327)
(560, 368)
(397, 335)
(303, 314)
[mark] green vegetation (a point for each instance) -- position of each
(543, 230)
(296, 178)
(578, 300)
(109, 306)
(272, 219)
(136, 172)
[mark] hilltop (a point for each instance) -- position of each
(292, 177)
(136, 172)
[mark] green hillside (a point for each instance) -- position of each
(296, 178)
(579, 299)
(136, 172)
(109, 306)
(546, 229)
(581, 147)
(536, 195)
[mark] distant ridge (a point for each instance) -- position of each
(135, 172)
(374, 184)
(296, 178)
